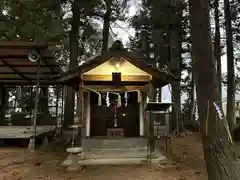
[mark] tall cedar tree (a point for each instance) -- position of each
(230, 67)
(73, 45)
(220, 162)
(175, 51)
(217, 44)
(106, 25)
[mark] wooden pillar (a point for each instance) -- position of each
(4, 97)
(88, 116)
(141, 118)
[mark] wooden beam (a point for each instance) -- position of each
(115, 89)
(130, 78)
(19, 53)
(110, 83)
(17, 72)
(27, 65)
(24, 82)
(28, 73)
(20, 44)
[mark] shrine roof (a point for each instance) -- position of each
(163, 76)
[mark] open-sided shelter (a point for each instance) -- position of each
(23, 64)
(16, 69)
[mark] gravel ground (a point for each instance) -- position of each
(18, 164)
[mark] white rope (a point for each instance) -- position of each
(126, 99)
(107, 100)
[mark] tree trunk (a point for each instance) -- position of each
(192, 93)
(191, 96)
(43, 106)
(3, 103)
(217, 45)
(175, 49)
(230, 67)
(106, 25)
(21, 103)
(220, 162)
(73, 44)
(145, 46)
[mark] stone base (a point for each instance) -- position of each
(73, 158)
(120, 161)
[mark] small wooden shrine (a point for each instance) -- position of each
(113, 88)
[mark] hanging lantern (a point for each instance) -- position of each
(107, 100)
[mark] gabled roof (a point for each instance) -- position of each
(16, 69)
(132, 57)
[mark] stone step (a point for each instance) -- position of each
(115, 157)
(117, 150)
(119, 161)
(119, 153)
(110, 153)
(118, 143)
(114, 161)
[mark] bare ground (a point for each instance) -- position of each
(18, 164)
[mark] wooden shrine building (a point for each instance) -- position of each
(113, 88)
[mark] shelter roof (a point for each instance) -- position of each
(16, 69)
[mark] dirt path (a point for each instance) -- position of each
(17, 164)
(187, 152)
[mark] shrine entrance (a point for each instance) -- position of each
(111, 118)
(117, 84)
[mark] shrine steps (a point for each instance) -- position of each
(118, 161)
(114, 143)
(117, 151)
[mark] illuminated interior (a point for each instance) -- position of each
(115, 65)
